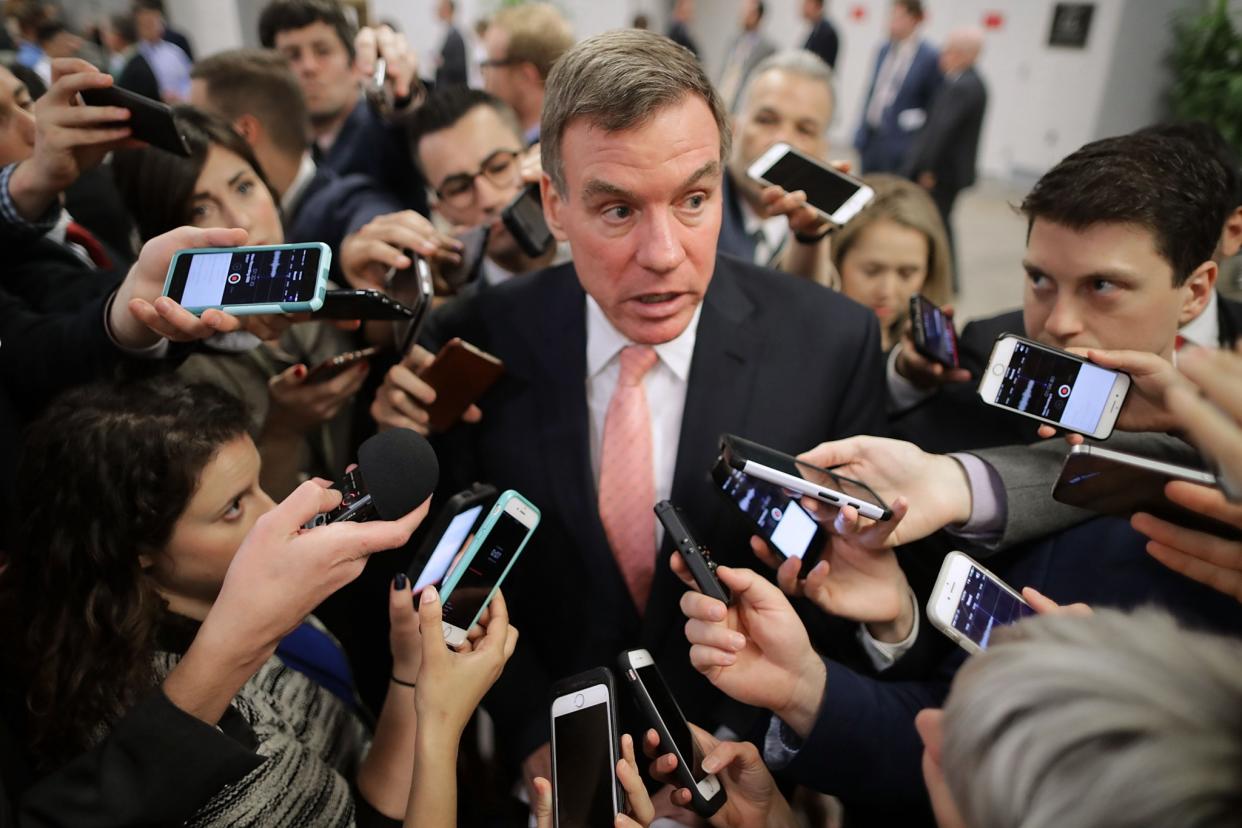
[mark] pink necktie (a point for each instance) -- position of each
(626, 478)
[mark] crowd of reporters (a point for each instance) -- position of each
(180, 649)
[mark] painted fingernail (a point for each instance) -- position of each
(400, 582)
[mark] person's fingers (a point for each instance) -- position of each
(65, 66)
(714, 635)
(358, 540)
(846, 522)
(632, 783)
(291, 377)
(1217, 373)
(841, 166)
(1046, 432)
(957, 375)
(304, 502)
(472, 414)
(73, 119)
(402, 378)
(386, 416)
(706, 659)
(430, 618)
(405, 406)
(1211, 549)
(748, 587)
(543, 802)
(696, 605)
(497, 624)
(1209, 427)
(186, 324)
(881, 532)
(678, 565)
(366, 51)
(1039, 602)
(401, 612)
(1206, 500)
(817, 580)
(651, 744)
(834, 453)
(1226, 579)
(787, 576)
(723, 755)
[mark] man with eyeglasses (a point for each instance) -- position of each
(522, 43)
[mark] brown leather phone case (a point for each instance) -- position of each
(460, 373)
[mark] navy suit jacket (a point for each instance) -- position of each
(378, 149)
(948, 144)
(823, 41)
(733, 239)
(864, 747)
(776, 359)
(452, 69)
(884, 149)
(333, 206)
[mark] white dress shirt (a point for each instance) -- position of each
(665, 386)
(773, 233)
(297, 187)
(1204, 329)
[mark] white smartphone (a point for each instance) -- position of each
(474, 579)
(968, 603)
(837, 196)
(664, 715)
(1053, 386)
(585, 747)
(791, 473)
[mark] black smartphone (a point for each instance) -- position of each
(335, 366)
(460, 518)
(933, 333)
(474, 247)
(664, 715)
(362, 304)
(773, 512)
(150, 121)
(696, 556)
(586, 747)
(414, 289)
(523, 217)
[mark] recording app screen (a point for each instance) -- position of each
(584, 786)
(246, 277)
(939, 332)
(984, 606)
(448, 547)
(823, 189)
(483, 571)
(673, 720)
(780, 518)
(1055, 387)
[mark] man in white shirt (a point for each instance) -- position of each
(622, 370)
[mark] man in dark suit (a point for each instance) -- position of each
(452, 66)
(679, 32)
(623, 369)
(256, 92)
(943, 156)
(822, 39)
(351, 135)
(750, 49)
(902, 87)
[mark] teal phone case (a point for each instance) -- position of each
(309, 306)
(450, 582)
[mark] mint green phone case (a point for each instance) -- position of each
(309, 306)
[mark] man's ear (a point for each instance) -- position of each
(553, 203)
(1197, 291)
(531, 72)
(249, 128)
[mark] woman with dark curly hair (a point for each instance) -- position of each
(135, 500)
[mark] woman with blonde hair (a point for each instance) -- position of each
(893, 249)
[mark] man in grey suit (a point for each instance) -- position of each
(747, 52)
(943, 155)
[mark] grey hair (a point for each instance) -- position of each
(1113, 721)
(616, 81)
(798, 62)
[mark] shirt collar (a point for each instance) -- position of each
(1204, 329)
(604, 342)
(297, 187)
(773, 227)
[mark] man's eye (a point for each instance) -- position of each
(620, 212)
(234, 511)
(694, 202)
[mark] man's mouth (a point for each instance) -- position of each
(657, 298)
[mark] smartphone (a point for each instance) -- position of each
(276, 278)
(773, 512)
(414, 289)
(150, 121)
(837, 196)
(586, 747)
(474, 247)
(1053, 386)
(696, 556)
(460, 374)
(791, 473)
(933, 333)
(968, 602)
(1114, 483)
(523, 217)
(461, 516)
(362, 304)
(664, 715)
(471, 583)
(335, 366)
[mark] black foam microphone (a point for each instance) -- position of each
(397, 470)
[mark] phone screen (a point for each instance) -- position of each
(483, 571)
(673, 719)
(1056, 387)
(245, 277)
(825, 189)
(448, 546)
(985, 605)
(781, 519)
(584, 775)
(937, 331)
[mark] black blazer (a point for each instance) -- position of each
(452, 69)
(777, 359)
(679, 34)
(138, 76)
(370, 145)
(823, 41)
(333, 206)
(948, 144)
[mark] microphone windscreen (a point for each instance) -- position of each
(399, 469)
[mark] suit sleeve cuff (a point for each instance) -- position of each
(902, 393)
(988, 500)
(883, 654)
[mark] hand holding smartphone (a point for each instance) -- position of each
(460, 375)
(773, 512)
(586, 747)
(523, 218)
(1053, 386)
(460, 517)
(337, 365)
(279, 278)
(932, 331)
(696, 556)
(837, 196)
(149, 121)
(968, 602)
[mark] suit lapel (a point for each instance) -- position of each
(1229, 320)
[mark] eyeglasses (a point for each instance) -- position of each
(493, 63)
(501, 169)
